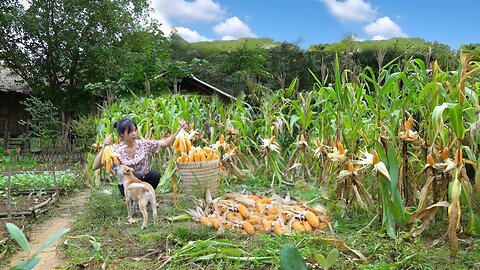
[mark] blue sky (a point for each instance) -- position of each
(307, 22)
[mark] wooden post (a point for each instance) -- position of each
(5, 134)
(55, 180)
(9, 194)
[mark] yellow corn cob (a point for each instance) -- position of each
(175, 143)
(307, 226)
(271, 217)
(205, 221)
(248, 227)
(273, 210)
(254, 219)
(191, 157)
(181, 145)
(243, 210)
(409, 123)
(458, 156)
(445, 153)
(265, 200)
(351, 168)
(278, 228)
(297, 226)
(222, 139)
(341, 148)
(312, 219)
(260, 207)
(430, 160)
(267, 225)
(215, 223)
(188, 144)
(376, 158)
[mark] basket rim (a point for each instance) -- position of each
(197, 164)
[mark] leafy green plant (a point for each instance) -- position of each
(291, 259)
(328, 262)
(22, 241)
(30, 180)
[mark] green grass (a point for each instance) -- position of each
(102, 236)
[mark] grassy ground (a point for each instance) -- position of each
(102, 237)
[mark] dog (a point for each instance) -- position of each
(137, 191)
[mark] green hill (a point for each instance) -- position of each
(217, 46)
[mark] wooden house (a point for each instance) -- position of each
(13, 90)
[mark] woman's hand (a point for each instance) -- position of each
(108, 140)
(182, 126)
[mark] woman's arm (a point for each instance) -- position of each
(97, 162)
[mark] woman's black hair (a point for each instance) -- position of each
(123, 125)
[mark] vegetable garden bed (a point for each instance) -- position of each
(29, 193)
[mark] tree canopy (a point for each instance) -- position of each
(58, 47)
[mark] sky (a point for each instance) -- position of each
(309, 22)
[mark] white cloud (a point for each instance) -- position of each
(233, 28)
(165, 26)
(191, 35)
(384, 28)
(182, 10)
(351, 10)
(358, 38)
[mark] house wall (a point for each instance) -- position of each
(11, 111)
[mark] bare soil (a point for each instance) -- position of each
(62, 215)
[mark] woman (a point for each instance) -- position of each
(135, 153)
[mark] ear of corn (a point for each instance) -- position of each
(205, 221)
(430, 160)
(312, 219)
(297, 226)
(243, 210)
(409, 124)
(109, 158)
(248, 227)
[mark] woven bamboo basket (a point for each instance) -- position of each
(199, 176)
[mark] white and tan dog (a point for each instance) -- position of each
(137, 191)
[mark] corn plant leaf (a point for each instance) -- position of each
(473, 226)
(454, 213)
(426, 215)
(456, 120)
(18, 236)
(167, 174)
(291, 259)
(50, 240)
(388, 220)
(181, 217)
(394, 164)
(338, 244)
(423, 200)
(27, 264)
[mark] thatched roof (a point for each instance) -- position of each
(11, 82)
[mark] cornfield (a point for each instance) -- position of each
(403, 142)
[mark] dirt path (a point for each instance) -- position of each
(63, 215)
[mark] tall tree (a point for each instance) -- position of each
(59, 46)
